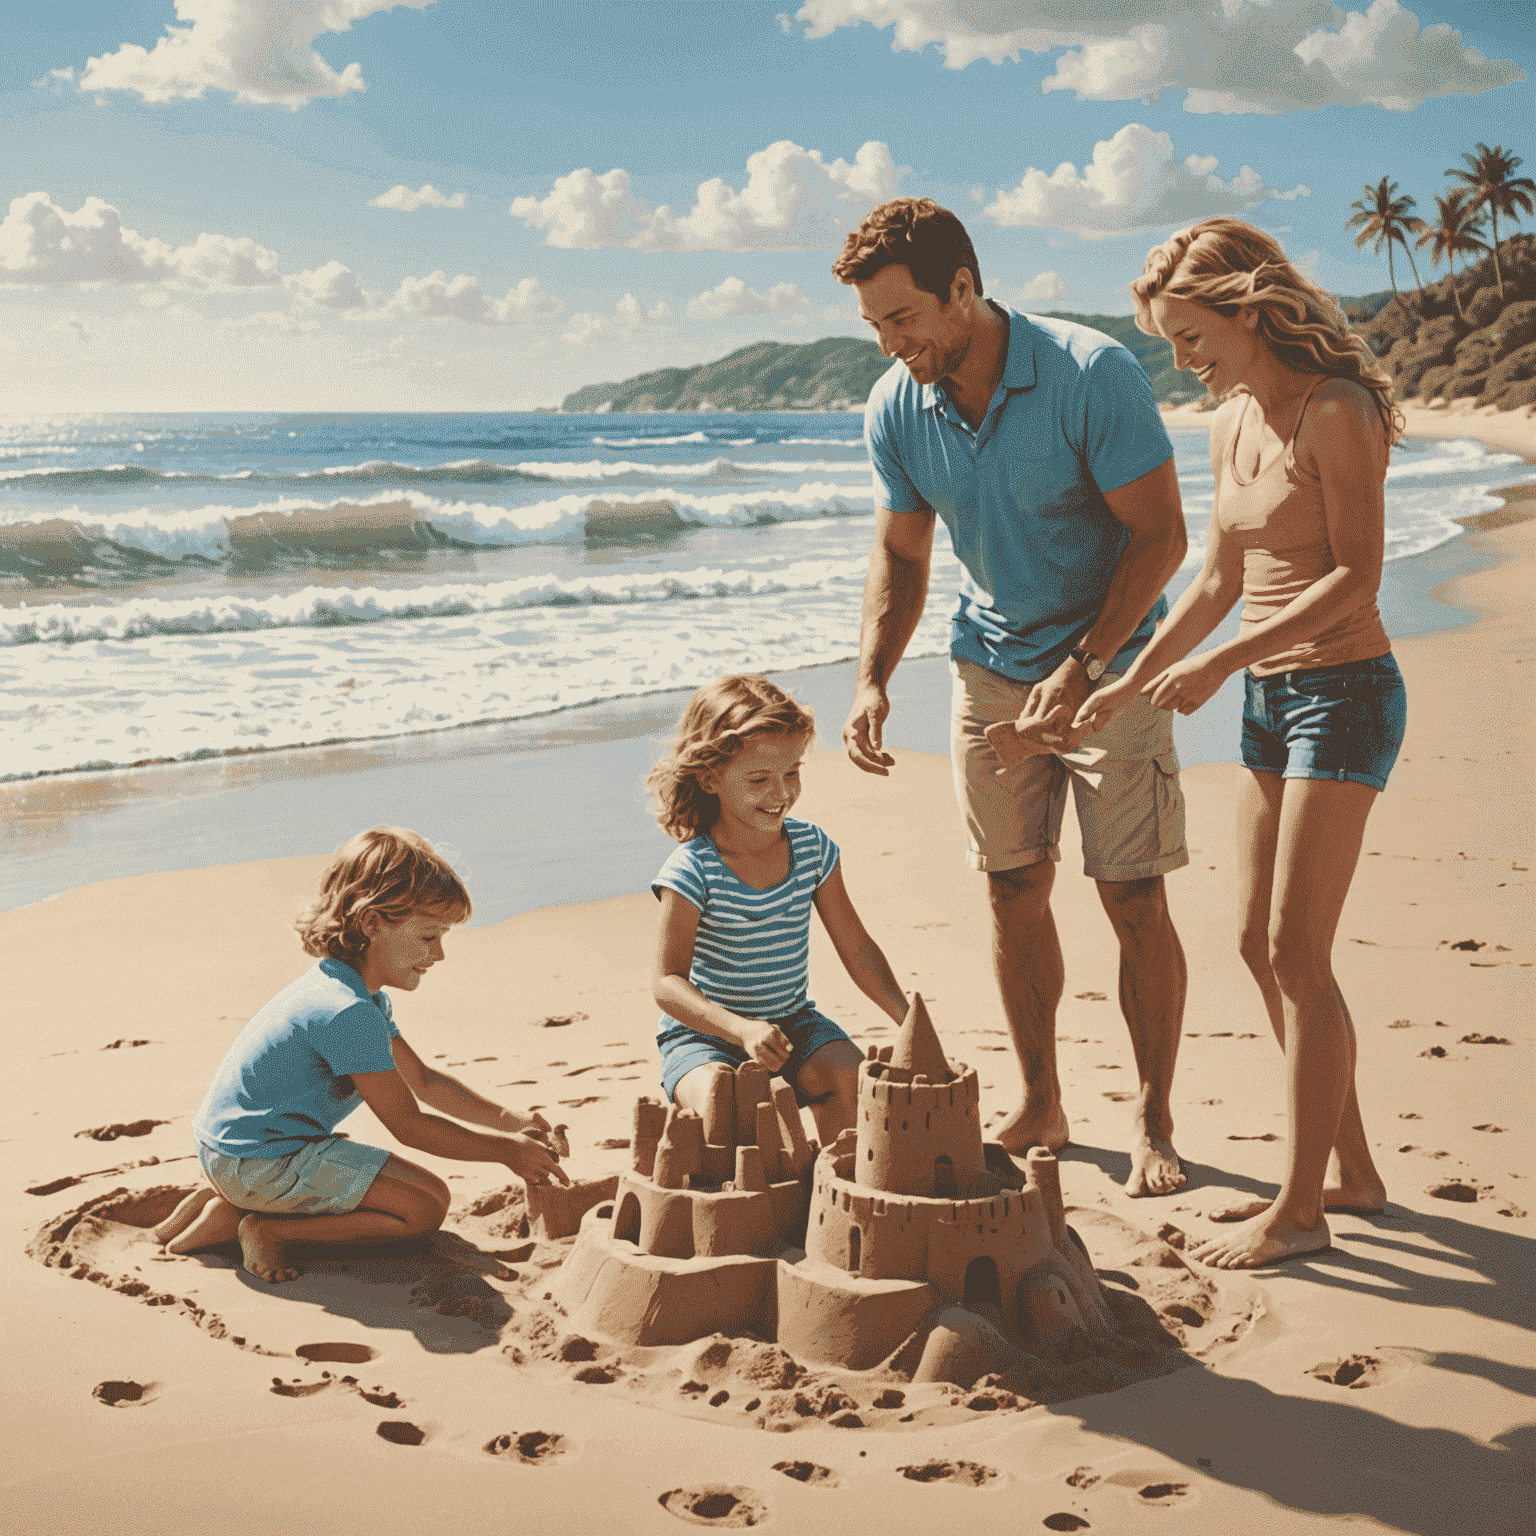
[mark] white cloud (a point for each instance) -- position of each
(629, 315)
(259, 50)
(76, 327)
(793, 200)
(1043, 288)
(1227, 55)
(267, 323)
(46, 245)
(461, 298)
(402, 198)
(332, 286)
(732, 298)
(1133, 183)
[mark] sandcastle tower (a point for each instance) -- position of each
(841, 1259)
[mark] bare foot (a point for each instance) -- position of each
(1021, 1131)
(1155, 1168)
(1336, 1197)
(184, 1215)
(263, 1249)
(216, 1222)
(1258, 1243)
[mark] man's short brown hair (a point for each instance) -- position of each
(913, 232)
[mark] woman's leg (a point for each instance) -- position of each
(1352, 1184)
(829, 1083)
(1320, 829)
(403, 1201)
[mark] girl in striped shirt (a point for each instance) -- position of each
(732, 963)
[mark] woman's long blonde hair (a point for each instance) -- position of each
(721, 718)
(1229, 266)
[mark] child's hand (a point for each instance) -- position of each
(766, 1045)
(532, 1161)
(530, 1122)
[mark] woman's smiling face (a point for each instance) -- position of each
(1220, 351)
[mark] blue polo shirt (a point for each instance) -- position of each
(1023, 495)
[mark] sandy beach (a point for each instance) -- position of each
(1384, 1382)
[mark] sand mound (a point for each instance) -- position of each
(457, 1292)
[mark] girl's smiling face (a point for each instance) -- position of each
(759, 786)
(400, 954)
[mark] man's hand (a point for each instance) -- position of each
(1054, 702)
(765, 1044)
(861, 735)
(532, 1161)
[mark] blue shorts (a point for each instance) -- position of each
(1342, 722)
(682, 1049)
(325, 1177)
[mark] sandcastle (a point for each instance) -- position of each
(846, 1255)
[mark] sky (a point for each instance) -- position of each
(341, 205)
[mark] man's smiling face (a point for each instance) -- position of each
(910, 323)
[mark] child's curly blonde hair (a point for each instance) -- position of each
(721, 718)
(388, 870)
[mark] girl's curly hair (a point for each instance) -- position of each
(1229, 266)
(721, 718)
(389, 870)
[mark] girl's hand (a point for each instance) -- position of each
(1103, 704)
(532, 1161)
(529, 1121)
(765, 1044)
(1186, 685)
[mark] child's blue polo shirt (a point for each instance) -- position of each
(1023, 495)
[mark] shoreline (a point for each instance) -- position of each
(1430, 1300)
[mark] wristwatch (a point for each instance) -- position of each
(1091, 664)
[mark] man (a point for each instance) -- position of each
(1040, 445)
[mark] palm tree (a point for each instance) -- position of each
(1489, 179)
(1386, 221)
(1458, 233)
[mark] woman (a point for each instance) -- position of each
(1299, 450)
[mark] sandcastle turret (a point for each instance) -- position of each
(919, 1127)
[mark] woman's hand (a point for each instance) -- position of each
(765, 1044)
(532, 1161)
(1186, 685)
(1103, 704)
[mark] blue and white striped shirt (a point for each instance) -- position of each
(752, 952)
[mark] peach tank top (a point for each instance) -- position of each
(1277, 520)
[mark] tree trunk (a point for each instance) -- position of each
(1408, 252)
(1493, 214)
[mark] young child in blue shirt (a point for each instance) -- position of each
(732, 963)
(277, 1171)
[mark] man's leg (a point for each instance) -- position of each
(1026, 954)
(1153, 982)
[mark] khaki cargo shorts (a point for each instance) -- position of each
(1125, 781)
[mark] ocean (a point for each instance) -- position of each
(176, 588)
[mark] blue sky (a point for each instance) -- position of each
(195, 222)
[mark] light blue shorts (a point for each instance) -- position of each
(682, 1049)
(325, 1177)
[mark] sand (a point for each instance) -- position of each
(1381, 1383)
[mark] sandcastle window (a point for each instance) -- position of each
(855, 1244)
(943, 1178)
(627, 1226)
(981, 1283)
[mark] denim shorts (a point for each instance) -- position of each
(1342, 722)
(683, 1049)
(325, 1177)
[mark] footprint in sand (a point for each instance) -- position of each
(127, 1128)
(534, 1447)
(809, 1473)
(1065, 1520)
(1453, 1189)
(117, 1045)
(1356, 1372)
(401, 1432)
(1496, 1130)
(342, 1353)
(969, 1474)
(121, 1394)
(716, 1504)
